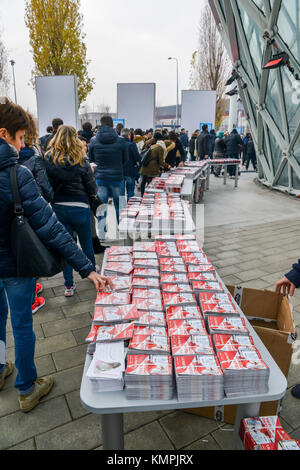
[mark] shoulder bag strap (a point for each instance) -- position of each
(18, 209)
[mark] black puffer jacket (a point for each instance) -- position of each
(40, 215)
(31, 158)
(71, 183)
(220, 148)
(233, 141)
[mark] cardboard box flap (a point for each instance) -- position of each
(258, 303)
(285, 320)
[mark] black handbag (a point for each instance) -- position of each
(33, 258)
(95, 202)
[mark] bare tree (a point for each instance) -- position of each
(4, 76)
(210, 64)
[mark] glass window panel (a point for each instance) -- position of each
(276, 152)
(284, 177)
(272, 100)
(289, 25)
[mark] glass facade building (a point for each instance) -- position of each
(253, 32)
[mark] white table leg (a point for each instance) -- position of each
(112, 432)
(247, 410)
(225, 174)
(237, 175)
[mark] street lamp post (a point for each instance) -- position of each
(177, 92)
(12, 63)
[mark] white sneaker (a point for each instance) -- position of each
(70, 291)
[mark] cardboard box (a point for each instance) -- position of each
(271, 316)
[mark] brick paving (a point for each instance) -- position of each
(252, 256)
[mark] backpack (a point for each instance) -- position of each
(146, 157)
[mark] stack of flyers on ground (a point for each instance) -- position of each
(121, 283)
(245, 372)
(178, 288)
(193, 326)
(150, 330)
(232, 342)
(118, 332)
(106, 371)
(183, 313)
(149, 344)
(199, 378)
(207, 286)
(200, 268)
(149, 377)
(173, 268)
(191, 345)
(144, 272)
(147, 247)
(139, 293)
(217, 304)
(266, 433)
(173, 278)
(148, 304)
(146, 263)
(227, 325)
(151, 319)
(146, 282)
(115, 298)
(177, 300)
(117, 268)
(202, 277)
(111, 315)
(118, 250)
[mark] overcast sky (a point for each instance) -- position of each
(127, 41)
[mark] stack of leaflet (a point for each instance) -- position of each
(194, 326)
(174, 183)
(192, 345)
(118, 268)
(232, 342)
(199, 378)
(152, 341)
(150, 318)
(106, 371)
(227, 325)
(111, 315)
(121, 283)
(183, 313)
(149, 377)
(173, 278)
(266, 433)
(245, 372)
(104, 299)
(217, 304)
(117, 332)
(179, 300)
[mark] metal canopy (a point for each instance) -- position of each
(272, 97)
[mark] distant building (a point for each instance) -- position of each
(93, 118)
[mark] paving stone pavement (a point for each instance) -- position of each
(254, 256)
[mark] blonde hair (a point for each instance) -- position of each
(65, 146)
(31, 133)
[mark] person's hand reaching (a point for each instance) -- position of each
(100, 282)
(285, 286)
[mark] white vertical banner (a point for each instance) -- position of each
(136, 104)
(198, 108)
(57, 97)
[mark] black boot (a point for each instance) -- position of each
(98, 248)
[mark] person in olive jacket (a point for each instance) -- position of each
(157, 162)
(16, 293)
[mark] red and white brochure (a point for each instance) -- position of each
(186, 247)
(265, 433)
(173, 268)
(242, 359)
(193, 326)
(118, 332)
(224, 325)
(146, 247)
(185, 237)
(119, 259)
(232, 342)
(171, 278)
(151, 319)
(121, 283)
(202, 276)
(183, 313)
(197, 365)
(119, 250)
(118, 268)
(150, 343)
(191, 345)
(114, 298)
(192, 260)
(207, 286)
(150, 330)
(123, 313)
(200, 268)
(179, 300)
(144, 272)
(141, 293)
(91, 337)
(148, 304)
(144, 255)
(167, 253)
(149, 365)
(178, 288)
(216, 304)
(149, 283)
(170, 261)
(146, 263)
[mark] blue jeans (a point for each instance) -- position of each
(76, 219)
(129, 185)
(107, 189)
(19, 292)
